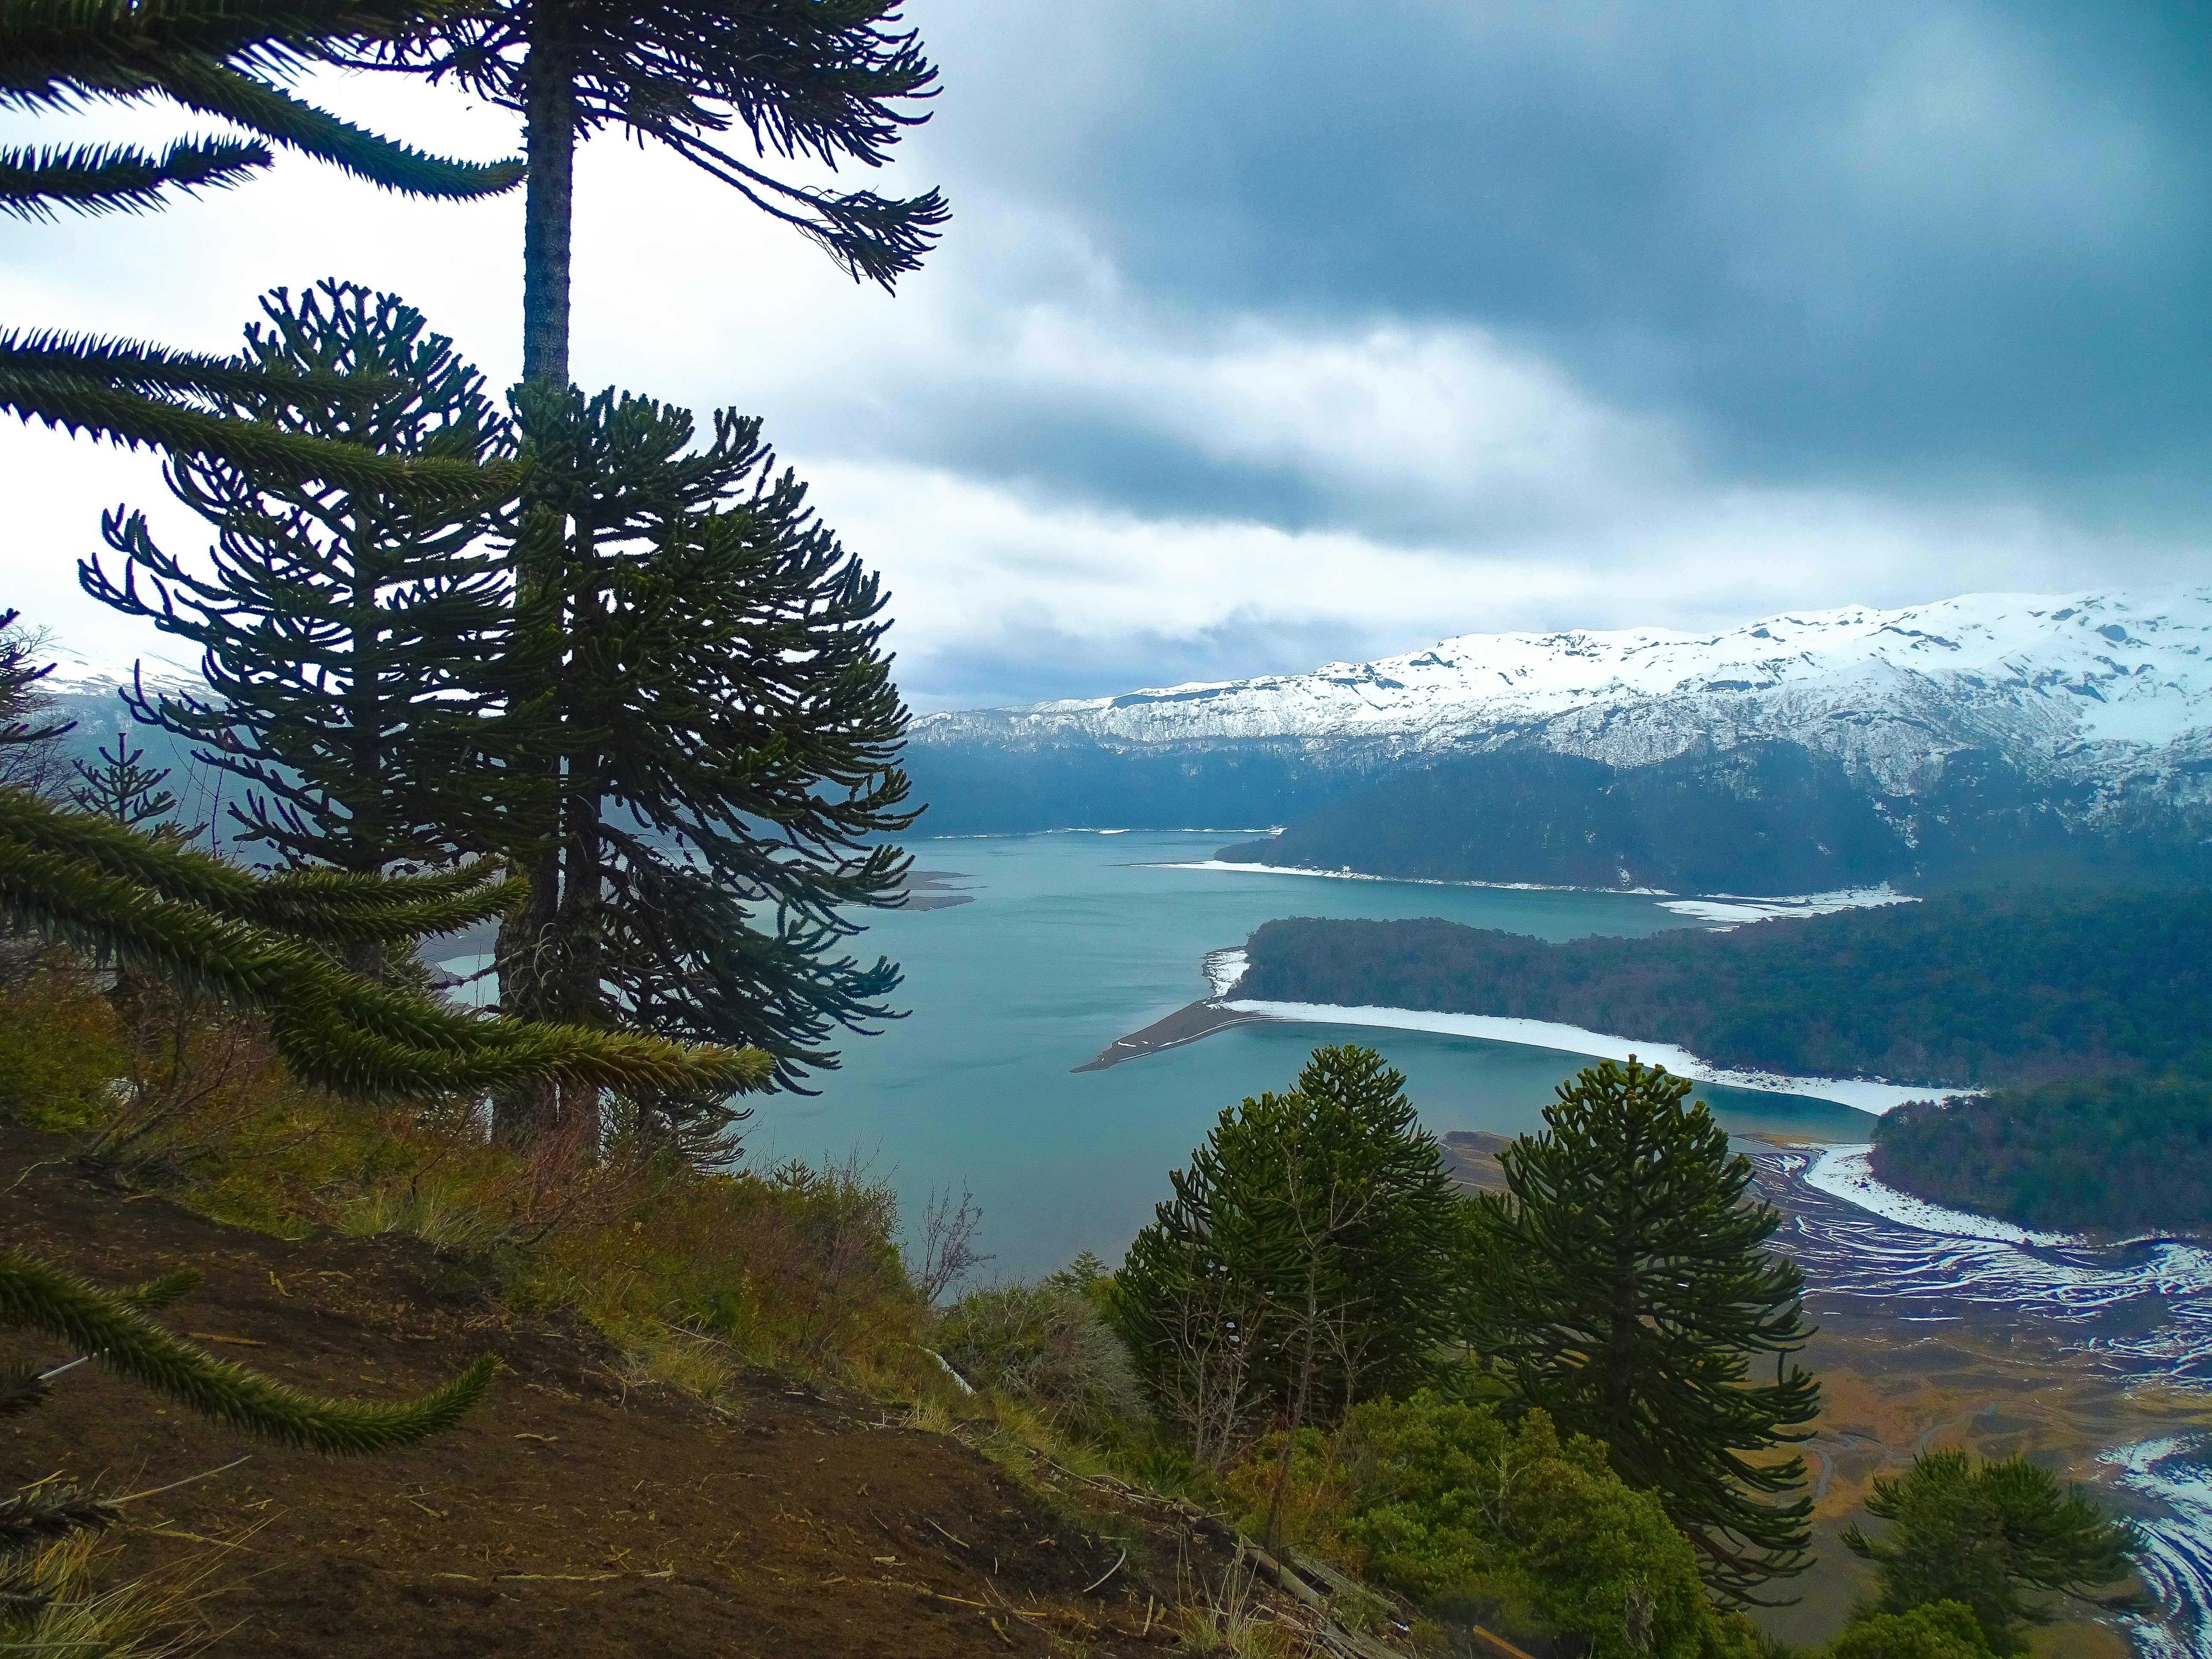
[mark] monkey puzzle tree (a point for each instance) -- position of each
(356, 640)
(1628, 1287)
(804, 79)
(1306, 1260)
(730, 734)
(224, 60)
(1988, 1536)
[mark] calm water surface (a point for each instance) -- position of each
(1074, 940)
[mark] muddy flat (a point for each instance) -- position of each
(1187, 1024)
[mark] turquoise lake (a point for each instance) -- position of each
(1077, 937)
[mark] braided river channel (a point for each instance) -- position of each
(1936, 1330)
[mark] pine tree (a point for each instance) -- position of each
(1982, 1536)
(353, 639)
(729, 731)
(1628, 1288)
(223, 60)
(123, 788)
(1306, 1260)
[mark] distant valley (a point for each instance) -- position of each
(1984, 737)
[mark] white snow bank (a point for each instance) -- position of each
(1731, 911)
(1844, 1172)
(1869, 1095)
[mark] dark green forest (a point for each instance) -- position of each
(2116, 1152)
(2015, 987)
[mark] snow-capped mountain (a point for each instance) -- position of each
(2104, 696)
(1888, 689)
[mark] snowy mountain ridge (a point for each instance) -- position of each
(2076, 685)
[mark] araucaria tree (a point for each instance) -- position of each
(830, 82)
(1628, 1287)
(225, 61)
(356, 640)
(1990, 1537)
(729, 731)
(1306, 1260)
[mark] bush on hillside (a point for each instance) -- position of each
(1940, 1630)
(1504, 1525)
(1048, 1345)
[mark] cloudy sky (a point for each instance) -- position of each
(1272, 331)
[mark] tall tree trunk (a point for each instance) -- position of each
(528, 977)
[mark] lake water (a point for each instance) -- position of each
(2092, 1360)
(1076, 938)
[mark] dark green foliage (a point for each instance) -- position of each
(122, 788)
(2116, 1152)
(107, 178)
(1308, 1257)
(56, 55)
(801, 78)
(146, 903)
(1627, 1288)
(1989, 1536)
(1942, 1630)
(1511, 1526)
(351, 639)
(728, 734)
(1761, 817)
(2014, 985)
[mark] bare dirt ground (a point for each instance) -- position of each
(568, 1513)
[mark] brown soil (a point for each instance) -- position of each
(568, 1513)
(1472, 1157)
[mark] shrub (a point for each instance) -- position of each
(1940, 1630)
(1507, 1526)
(61, 1050)
(1047, 1345)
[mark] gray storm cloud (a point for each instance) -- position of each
(1271, 334)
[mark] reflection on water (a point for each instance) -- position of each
(2087, 1357)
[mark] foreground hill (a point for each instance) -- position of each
(1877, 743)
(2016, 987)
(574, 1510)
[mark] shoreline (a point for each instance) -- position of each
(1725, 910)
(1866, 1094)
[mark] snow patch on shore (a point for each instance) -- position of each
(1725, 911)
(1868, 1095)
(1730, 911)
(1844, 1172)
(1409, 881)
(1224, 969)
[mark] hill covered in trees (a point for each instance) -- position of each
(2015, 987)
(2118, 1152)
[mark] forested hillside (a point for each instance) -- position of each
(1769, 817)
(2015, 986)
(2123, 1152)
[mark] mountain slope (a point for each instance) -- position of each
(1981, 723)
